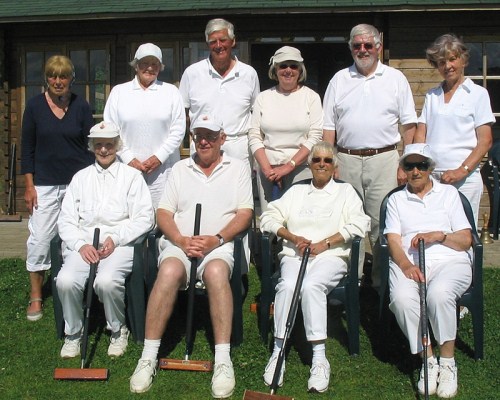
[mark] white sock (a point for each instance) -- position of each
(150, 350)
(278, 344)
(447, 361)
(222, 353)
(319, 352)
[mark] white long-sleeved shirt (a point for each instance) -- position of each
(281, 123)
(316, 214)
(152, 121)
(115, 199)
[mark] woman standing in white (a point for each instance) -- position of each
(151, 118)
(456, 121)
(287, 121)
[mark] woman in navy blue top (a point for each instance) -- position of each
(54, 147)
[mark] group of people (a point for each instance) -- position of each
(119, 173)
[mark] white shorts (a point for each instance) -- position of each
(224, 253)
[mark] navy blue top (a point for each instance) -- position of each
(54, 149)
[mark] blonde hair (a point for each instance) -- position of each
(59, 66)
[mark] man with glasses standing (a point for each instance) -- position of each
(224, 86)
(222, 185)
(363, 106)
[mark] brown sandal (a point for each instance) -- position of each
(34, 315)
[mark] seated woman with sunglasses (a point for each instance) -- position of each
(287, 120)
(324, 215)
(432, 211)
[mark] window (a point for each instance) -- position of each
(91, 73)
(484, 70)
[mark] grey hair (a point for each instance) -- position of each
(135, 61)
(365, 29)
(323, 147)
(302, 68)
(445, 45)
(118, 143)
(219, 24)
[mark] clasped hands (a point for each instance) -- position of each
(92, 255)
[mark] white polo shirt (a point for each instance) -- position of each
(440, 210)
(151, 121)
(230, 98)
(115, 199)
(451, 127)
(316, 214)
(365, 111)
(226, 190)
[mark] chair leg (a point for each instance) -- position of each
(478, 331)
(56, 264)
(136, 296)
(352, 314)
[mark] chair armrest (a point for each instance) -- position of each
(354, 260)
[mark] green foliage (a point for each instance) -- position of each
(29, 352)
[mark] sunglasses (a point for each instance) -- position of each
(211, 137)
(326, 160)
(368, 46)
(291, 66)
(421, 166)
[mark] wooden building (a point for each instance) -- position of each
(101, 37)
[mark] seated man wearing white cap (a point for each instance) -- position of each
(432, 211)
(222, 185)
(113, 197)
(151, 118)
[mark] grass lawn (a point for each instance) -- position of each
(29, 352)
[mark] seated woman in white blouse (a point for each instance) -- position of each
(324, 215)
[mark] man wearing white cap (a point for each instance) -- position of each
(224, 86)
(150, 115)
(113, 197)
(431, 211)
(363, 106)
(222, 185)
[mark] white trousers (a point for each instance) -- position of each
(42, 225)
(447, 280)
(156, 182)
(109, 285)
(471, 187)
(323, 274)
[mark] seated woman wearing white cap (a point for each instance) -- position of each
(151, 118)
(113, 197)
(432, 211)
(287, 120)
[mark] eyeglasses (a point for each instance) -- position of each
(210, 137)
(368, 46)
(421, 166)
(145, 64)
(326, 160)
(291, 66)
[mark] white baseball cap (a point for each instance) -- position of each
(207, 121)
(148, 49)
(421, 149)
(104, 129)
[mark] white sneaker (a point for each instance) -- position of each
(320, 377)
(118, 345)
(433, 371)
(71, 347)
(269, 371)
(142, 378)
(448, 381)
(223, 381)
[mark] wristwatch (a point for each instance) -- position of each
(221, 239)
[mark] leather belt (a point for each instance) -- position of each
(366, 152)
